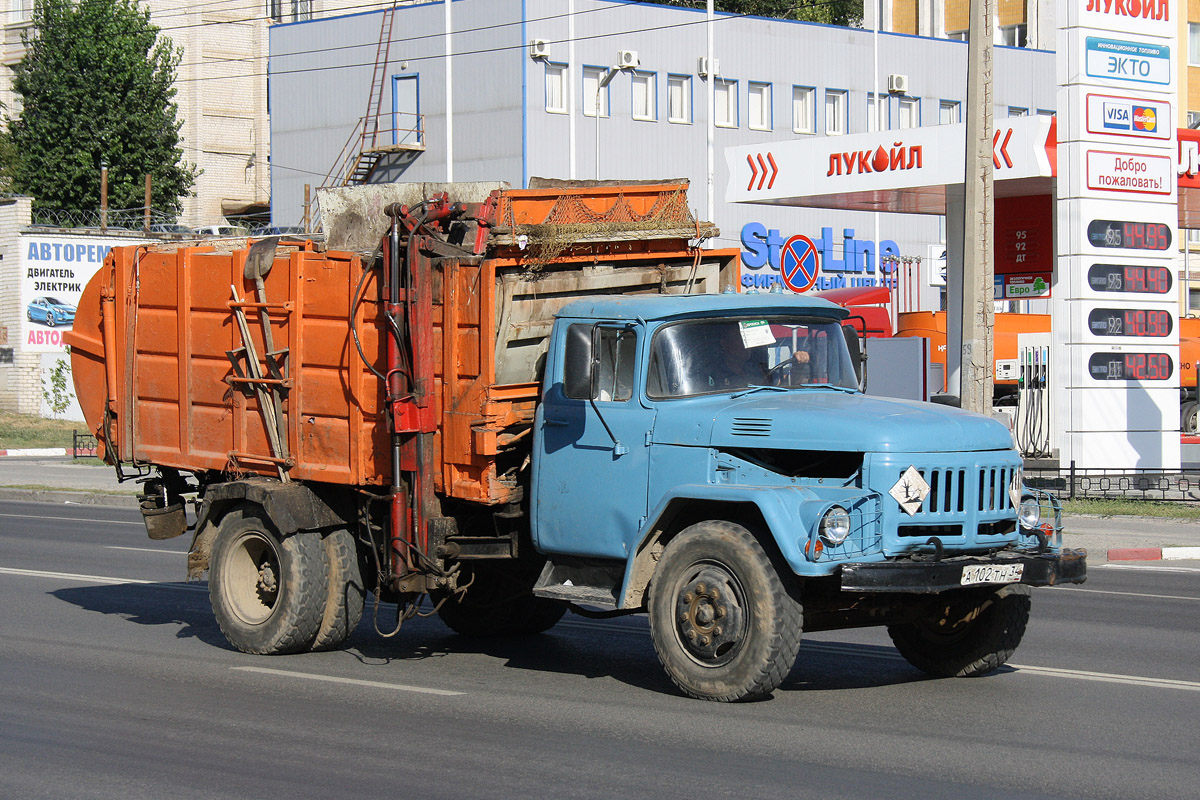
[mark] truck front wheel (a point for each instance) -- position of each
(967, 637)
(723, 624)
(268, 592)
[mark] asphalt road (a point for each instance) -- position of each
(117, 683)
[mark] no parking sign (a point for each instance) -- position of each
(798, 263)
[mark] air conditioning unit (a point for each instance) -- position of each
(702, 67)
(628, 59)
(539, 48)
(898, 84)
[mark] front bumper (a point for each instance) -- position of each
(927, 576)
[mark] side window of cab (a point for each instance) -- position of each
(598, 362)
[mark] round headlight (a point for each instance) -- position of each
(1030, 513)
(835, 525)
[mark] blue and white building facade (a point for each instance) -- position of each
(517, 98)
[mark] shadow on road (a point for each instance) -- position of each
(618, 650)
(183, 606)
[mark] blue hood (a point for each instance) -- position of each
(824, 419)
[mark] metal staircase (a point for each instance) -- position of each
(362, 152)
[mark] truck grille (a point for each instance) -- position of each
(949, 490)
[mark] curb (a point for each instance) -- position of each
(48, 451)
(64, 496)
(1153, 553)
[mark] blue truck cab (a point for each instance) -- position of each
(711, 460)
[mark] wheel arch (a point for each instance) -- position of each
(287, 507)
(760, 513)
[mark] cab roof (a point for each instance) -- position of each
(661, 307)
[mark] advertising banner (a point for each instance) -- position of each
(54, 270)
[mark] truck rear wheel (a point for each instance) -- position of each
(723, 624)
(499, 602)
(268, 592)
(968, 637)
(346, 595)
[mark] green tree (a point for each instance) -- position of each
(95, 87)
(831, 12)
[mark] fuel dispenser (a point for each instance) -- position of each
(1032, 423)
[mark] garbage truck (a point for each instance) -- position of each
(503, 404)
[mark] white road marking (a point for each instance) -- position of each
(101, 579)
(1136, 594)
(147, 550)
(1145, 568)
(74, 519)
(1105, 677)
(350, 681)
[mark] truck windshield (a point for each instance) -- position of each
(725, 355)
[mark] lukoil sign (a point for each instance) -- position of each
(859, 264)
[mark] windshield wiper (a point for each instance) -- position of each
(756, 388)
(833, 386)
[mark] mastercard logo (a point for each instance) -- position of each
(1144, 119)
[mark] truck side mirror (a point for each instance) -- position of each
(854, 345)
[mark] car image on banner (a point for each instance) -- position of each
(50, 312)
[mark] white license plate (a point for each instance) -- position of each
(991, 573)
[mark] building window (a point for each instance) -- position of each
(679, 98)
(301, 10)
(877, 112)
(835, 112)
(949, 112)
(556, 88)
(1193, 119)
(1012, 35)
(758, 106)
(725, 98)
(1045, 112)
(595, 98)
(1194, 44)
(645, 99)
(274, 9)
(958, 36)
(803, 109)
(1017, 111)
(909, 112)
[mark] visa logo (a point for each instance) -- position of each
(1116, 116)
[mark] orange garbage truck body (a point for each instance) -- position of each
(179, 393)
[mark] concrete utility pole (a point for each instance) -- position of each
(978, 267)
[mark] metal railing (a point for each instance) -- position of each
(1074, 483)
(375, 134)
(82, 444)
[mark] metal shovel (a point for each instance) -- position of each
(259, 261)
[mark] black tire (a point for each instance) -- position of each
(723, 624)
(499, 602)
(1189, 417)
(268, 592)
(939, 647)
(346, 595)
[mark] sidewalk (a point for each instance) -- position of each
(58, 480)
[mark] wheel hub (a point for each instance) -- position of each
(709, 616)
(267, 582)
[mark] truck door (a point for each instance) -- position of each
(591, 462)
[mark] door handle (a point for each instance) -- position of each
(558, 423)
